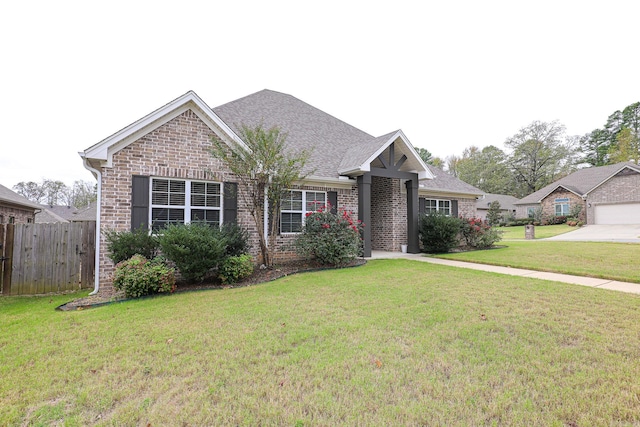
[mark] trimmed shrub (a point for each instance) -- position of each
(237, 239)
(122, 245)
(195, 248)
(439, 232)
(235, 268)
(139, 276)
(333, 239)
(476, 233)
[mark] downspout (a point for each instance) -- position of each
(98, 175)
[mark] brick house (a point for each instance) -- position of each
(506, 202)
(16, 209)
(607, 195)
(159, 170)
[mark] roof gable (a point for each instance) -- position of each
(360, 157)
(105, 149)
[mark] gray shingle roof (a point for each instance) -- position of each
(444, 182)
(46, 216)
(580, 182)
(506, 201)
(330, 139)
(10, 196)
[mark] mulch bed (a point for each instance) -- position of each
(109, 295)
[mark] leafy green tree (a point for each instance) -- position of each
(486, 169)
(627, 148)
(437, 162)
(424, 154)
(600, 145)
(264, 167)
(539, 155)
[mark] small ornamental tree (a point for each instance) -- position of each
(265, 168)
(493, 215)
(332, 239)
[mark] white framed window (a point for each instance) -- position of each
(531, 212)
(295, 207)
(179, 201)
(434, 205)
(562, 209)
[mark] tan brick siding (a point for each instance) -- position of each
(549, 204)
(388, 214)
(20, 216)
(623, 188)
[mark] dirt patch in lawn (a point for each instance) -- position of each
(109, 294)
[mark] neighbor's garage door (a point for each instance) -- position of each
(618, 214)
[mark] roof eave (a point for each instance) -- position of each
(104, 150)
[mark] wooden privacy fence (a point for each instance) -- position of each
(43, 258)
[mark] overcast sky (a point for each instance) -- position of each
(449, 74)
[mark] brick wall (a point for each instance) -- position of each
(549, 205)
(178, 149)
(467, 208)
(622, 188)
(388, 214)
(21, 216)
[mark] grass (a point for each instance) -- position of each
(394, 342)
(541, 232)
(615, 261)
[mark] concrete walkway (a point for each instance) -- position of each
(614, 285)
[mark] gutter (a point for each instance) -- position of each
(98, 175)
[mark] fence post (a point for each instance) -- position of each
(8, 259)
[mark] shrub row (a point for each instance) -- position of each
(197, 250)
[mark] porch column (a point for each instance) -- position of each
(364, 210)
(413, 247)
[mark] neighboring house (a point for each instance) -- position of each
(16, 209)
(55, 213)
(607, 195)
(159, 170)
(507, 204)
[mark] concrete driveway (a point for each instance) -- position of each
(602, 233)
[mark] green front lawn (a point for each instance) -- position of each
(615, 261)
(541, 232)
(394, 342)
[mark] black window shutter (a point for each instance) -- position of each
(422, 205)
(454, 208)
(139, 202)
(230, 191)
(332, 199)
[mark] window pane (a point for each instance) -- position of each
(160, 185)
(290, 222)
(315, 201)
(205, 194)
(176, 186)
(161, 217)
(209, 216)
(445, 207)
(176, 199)
(292, 201)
